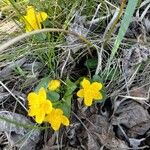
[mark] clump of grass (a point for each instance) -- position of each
(60, 15)
(99, 52)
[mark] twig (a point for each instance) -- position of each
(13, 95)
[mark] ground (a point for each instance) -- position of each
(105, 42)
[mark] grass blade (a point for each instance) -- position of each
(130, 9)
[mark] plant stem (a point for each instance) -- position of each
(108, 35)
(25, 35)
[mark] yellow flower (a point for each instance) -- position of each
(53, 85)
(56, 118)
(90, 91)
(33, 19)
(39, 106)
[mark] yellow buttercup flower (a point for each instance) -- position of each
(53, 85)
(90, 91)
(33, 19)
(56, 118)
(39, 105)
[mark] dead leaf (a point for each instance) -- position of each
(7, 70)
(138, 92)
(139, 129)
(130, 114)
(21, 137)
(147, 24)
(77, 26)
(92, 143)
(9, 27)
(33, 66)
(73, 134)
(134, 30)
(50, 143)
(103, 132)
(134, 56)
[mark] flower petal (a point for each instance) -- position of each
(48, 117)
(58, 112)
(97, 96)
(96, 86)
(39, 118)
(85, 83)
(41, 16)
(31, 112)
(28, 28)
(80, 93)
(56, 125)
(32, 98)
(48, 106)
(33, 19)
(32, 23)
(53, 85)
(65, 121)
(42, 93)
(88, 101)
(30, 11)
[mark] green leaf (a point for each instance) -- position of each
(66, 108)
(43, 83)
(103, 91)
(97, 78)
(130, 9)
(19, 71)
(40, 37)
(66, 104)
(53, 96)
(69, 90)
(91, 63)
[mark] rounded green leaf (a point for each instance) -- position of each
(53, 96)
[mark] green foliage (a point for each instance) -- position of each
(39, 38)
(43, 83)
(65, 104)
(91, 63)
(50, 48)
(97, 78)
(130, 9)
(19, 71)
(53, 96)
